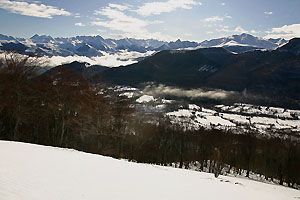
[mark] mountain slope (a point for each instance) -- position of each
(75, 71)
(32, 172)
(244, 40)
(185, 68)
(178, 44)
(292, 47)
(266, 72)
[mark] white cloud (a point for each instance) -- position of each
(268, 13)
(188, 34)
(79, 24)
(128, 25)
(224, 30)
(120, 21)
(240, 30)
(214, 19)
(209, 25)
(102, 30)
(192, 93)
(286, 31)
(254, 31)
(237, 30)
(156, 8)
(228, 16)
(77, 15)
(32, 9)
(117, 6)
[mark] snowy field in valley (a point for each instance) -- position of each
(237, 117)
(33, 172)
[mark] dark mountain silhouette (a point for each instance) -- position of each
(274, 74)
(76, 70)
(265, 72)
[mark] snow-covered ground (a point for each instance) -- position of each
(145, 99)
(33, 172)
(228, 118)
(260, 110)
(237, 117)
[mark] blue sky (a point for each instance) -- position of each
(159, 19)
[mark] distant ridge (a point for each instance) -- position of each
(96, 45)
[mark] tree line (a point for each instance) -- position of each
(65, 110)
(54, 110)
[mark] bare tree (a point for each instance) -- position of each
(16, 72)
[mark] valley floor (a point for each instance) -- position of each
(30, 172)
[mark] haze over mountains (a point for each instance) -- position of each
(92, 46)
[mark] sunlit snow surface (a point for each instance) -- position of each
(145, 99)
(32, 172)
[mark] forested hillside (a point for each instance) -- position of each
(65, 110)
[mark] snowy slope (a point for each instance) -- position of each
(32, 172)
(243, 40)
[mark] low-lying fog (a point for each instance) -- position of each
(108, 59)
(123, 57)
(163, 90)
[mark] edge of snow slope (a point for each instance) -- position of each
(30, 172)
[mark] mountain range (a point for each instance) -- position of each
(274, 74)
(270, 68)
(269, 71)
(91, 46)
